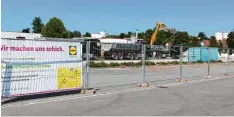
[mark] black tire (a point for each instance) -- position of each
(115, 56)
(135, 56)
(146, 57)
(131, 56)
(173, 56)
(120, 56)
(159, 55)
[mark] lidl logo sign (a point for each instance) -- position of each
(72, 50)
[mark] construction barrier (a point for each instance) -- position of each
(40, 66)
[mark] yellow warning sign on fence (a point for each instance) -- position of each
(69, 78)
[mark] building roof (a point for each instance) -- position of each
(15, 35)
(205, 43)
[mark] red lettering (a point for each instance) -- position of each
(22, 48)
(4, 48)
(39, 48)
(54, 48)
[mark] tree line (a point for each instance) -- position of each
(178, 38)
(55, 28)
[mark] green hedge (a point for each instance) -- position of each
(127, 64)
(219, 61)
(138, 64)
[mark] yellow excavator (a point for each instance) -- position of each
(154, 36)
(162, 51)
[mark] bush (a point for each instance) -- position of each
(92, 64)
(149, 63)
(97, 65)
(114, 64)
(174, 62)
(218, 61)
(162, 63)
(199, 61)
(130, 64)
(184, 62)
(138, 64)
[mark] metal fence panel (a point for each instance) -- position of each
(162, 63)
(30, 66)
(225, 64)
(112, 64)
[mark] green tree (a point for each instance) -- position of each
(54, 29)
(164, 37)
(129, 34)
(202, 36)
(141, 35)
(194, 41)
(113, 36)
(230, 40)
(26, 30)
(148, 35)
(181, 38)
(213, 42)
(122, 35)
(87, 34)
(76, 33)
(70, 34)
(37, 25)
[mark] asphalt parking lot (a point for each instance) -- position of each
(129, 100)
(214, 97)
(160, 74)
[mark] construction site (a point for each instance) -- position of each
(163, 71)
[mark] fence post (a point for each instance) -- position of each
(143, 56)
(87, 65)
(181, 57)
(208, 62)
(143, 62)
(228, 51)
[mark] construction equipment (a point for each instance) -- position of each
(131, 49)
(154, 36)
(163, 50)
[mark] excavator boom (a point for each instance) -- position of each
(154, 36)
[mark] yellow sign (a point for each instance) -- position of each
(72, 50)
(69, 78)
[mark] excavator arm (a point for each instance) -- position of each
(154, 36)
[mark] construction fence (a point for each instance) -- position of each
(31, 67)
(115, 64)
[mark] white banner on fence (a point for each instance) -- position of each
(30, 66)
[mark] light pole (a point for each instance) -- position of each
(136, 33)
(173, 32)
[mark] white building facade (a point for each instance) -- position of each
(99, 35)
(221, 35)
(19, 35)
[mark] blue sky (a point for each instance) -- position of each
(115, 16)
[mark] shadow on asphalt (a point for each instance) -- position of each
(38, 96)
